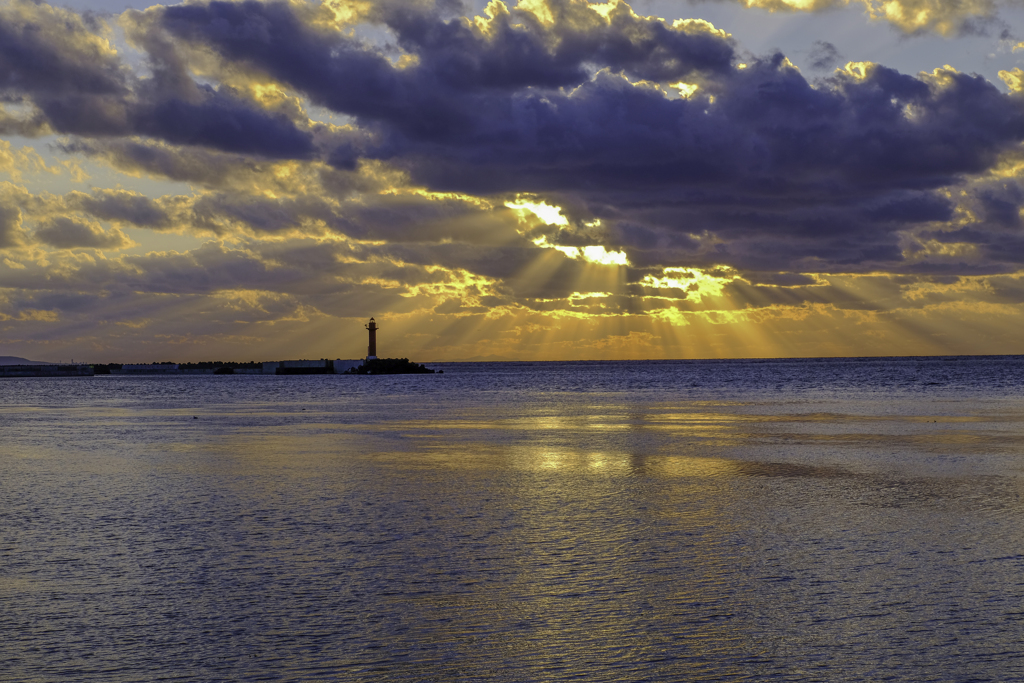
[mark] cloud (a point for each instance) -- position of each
(33, 124)
(67, 233)
(945, 17)
(220, 122)
(56, 53)
(563, 98)
(10, 226)
(824, 55)
(122, 206)
(940, 16)
(59, 65)
(511, 104)
(138, 157)
(565, 101)
(458, 70)
(509, 50)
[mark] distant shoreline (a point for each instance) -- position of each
(213, 365)
(218, 367)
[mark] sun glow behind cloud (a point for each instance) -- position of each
(594, 253)
(552, 215)
(542, 210)
(697, 283)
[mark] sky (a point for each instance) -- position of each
(532, 180)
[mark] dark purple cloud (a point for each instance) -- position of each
(759, 154)
(123, 207)
(223, 123)
(55, 61)
(56, 54)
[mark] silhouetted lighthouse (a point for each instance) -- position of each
(371, 351)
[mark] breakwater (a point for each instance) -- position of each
(324, 366)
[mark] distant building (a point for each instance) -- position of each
(147, 369)
(309, 367)
(341, 366)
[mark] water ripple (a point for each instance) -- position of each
(545, 522)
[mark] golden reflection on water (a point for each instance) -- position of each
(667, 437)
(684, 466)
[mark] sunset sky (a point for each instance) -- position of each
(547, 180)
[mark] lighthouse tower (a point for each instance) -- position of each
(371, 351)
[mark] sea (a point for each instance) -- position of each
(736, 520)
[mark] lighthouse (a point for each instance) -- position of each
(371, 351)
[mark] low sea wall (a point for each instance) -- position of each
(284, 367)
(56, 370)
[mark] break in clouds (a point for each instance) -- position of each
(360, 156)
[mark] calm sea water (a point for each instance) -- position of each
(816, 520)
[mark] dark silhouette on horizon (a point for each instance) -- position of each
(371, 349)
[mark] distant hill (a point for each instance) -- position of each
(14, 360)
